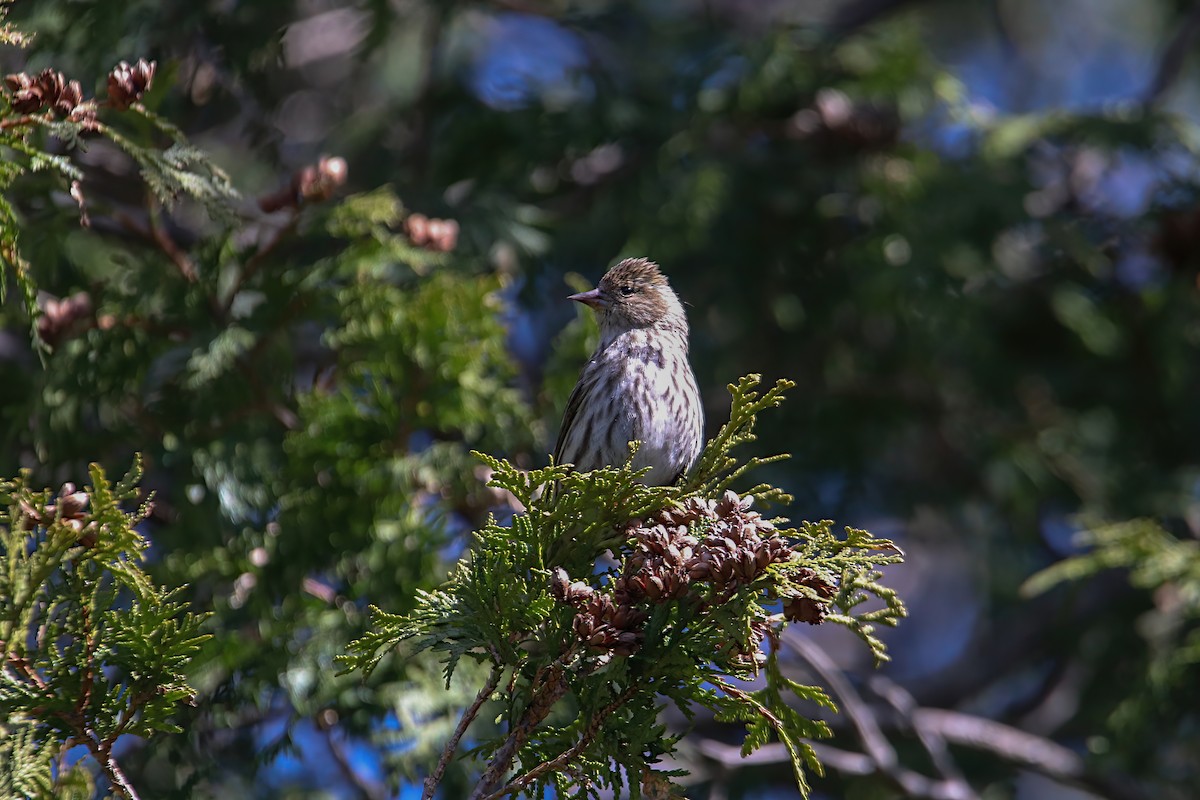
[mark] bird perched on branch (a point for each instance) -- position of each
(638, 385)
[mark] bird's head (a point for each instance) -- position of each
(634, 294)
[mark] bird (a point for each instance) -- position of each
(639, 384)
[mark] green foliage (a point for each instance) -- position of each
(28, 764)
(187, 345)
(850, 565)
(992, 317)
(717, 468)
(1167, 566)
(587, 702)
(29, 140)
(476, 608)
(766, 713)
(93, 649)
(8, 34)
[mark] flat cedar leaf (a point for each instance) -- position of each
(1154, 556)
(539, 596)
(84, 621)
(813, 694)
(26, 763)
(763, 724)
(360, 213)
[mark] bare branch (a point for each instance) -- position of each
(366, 788)
(905, 706)
(255, 262)
(165, 243)
(568, 756)
(1170, 63)
(102, 752)
(857, 711)
(468, 716)
(853, 16)
(879, 751)
(22, 665)
(548, 689)
(936, 728)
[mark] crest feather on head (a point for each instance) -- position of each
(635, 294)
(637, 271)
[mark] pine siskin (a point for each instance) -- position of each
(638, 384)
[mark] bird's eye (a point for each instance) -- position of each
(625, 290)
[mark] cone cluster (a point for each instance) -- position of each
(438, 235)
(312, 183)
(127, 84)
(49, 89)
(806, 609)
(718, 542)
(702, 550)
(62, 317)
(71, 509)
(319, 181)
(604, 624)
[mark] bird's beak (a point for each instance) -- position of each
(594, 298)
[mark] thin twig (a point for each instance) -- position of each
(366, 788)
(552, 687)
(468, 716)
(129, 714)
(1170, 64)
(255, 262)
(165, 243)
(905, 706)
(730, 756)
(569, 755)
(17, 122)
(103, 755)
(874, 742)
(1033, 751)
(22, 665)
(866, 725)
(89, 662)
(936, 728)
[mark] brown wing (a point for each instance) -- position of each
(573, 404)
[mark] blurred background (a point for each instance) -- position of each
(970, 231)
